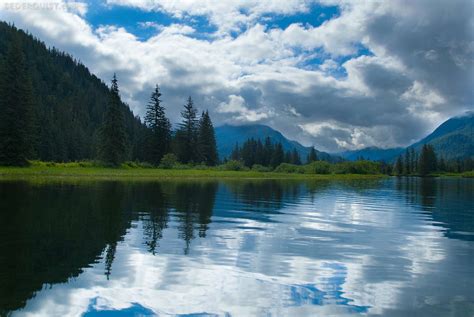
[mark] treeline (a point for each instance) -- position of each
(193, 143)
(67, 102)
(86, 123)
(427, 162)
(268, 154)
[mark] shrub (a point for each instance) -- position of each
(168, 161)
(358, 167)
(287, 168)
(318, 167)
(201, 166)
(233, 165)
(261, 168)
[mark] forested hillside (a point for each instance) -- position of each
(453, 139)
(230, 135)
(67, 100)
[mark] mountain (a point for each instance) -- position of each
(69, 101)
(372, 153)
(452, 139)
(228, 135)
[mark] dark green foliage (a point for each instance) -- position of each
(358, 167)
(407, 167)
(414, 161)
(312, 156)
(287, 168)
(233, 165)
(267, 152)
(427, 162)
(254, 152)
(399, 165)
(318, 167)
(16, 108)
(207, 140)
(235, 155)
(295, 157)
(158, 141)
(249, 153)
(168, 161)
(186, 140)
(288, 157)
(112, 133)
(278, 155)
(69, 103)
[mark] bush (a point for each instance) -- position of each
(201, 166)
(287, 168)
(233, 165)
(358, 167)
(261, 168)
(318, 167)
(168, 161)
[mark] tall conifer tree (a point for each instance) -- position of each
(207, 140)
(278, 155)
(427, 161)
(113, 137)
(295, 157)
(187, 146)
(159, 136)
(399, 166)
(312, 156)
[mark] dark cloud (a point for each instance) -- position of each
(419, 72)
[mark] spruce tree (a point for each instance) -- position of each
(407, 167)
(267, 152)
(312, 156)
(295, 157)
(187, 146)
(278, 155)
(288, 157)
(113, 137)
(16, 108)
(207, 140)
(399, 166)
(159, 136)
(414, 161)
(427, 160)
(235, 155)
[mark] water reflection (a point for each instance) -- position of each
(448, 202)
(391, 247)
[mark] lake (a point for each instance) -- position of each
(391, 247)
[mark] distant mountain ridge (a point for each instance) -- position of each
(228, 135)
(453, 139)
(372, 153)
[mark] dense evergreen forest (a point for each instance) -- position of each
(53, 109)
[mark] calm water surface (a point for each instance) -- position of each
(394, 247)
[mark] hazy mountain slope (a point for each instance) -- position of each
(372, 153)
(228, 135)
(452, 139)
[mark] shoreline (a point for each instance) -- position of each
(150, 174)
(138, 173)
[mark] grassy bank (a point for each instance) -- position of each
(89, 171)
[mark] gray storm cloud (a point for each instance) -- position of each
(419, 70)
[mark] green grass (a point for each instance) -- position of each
(469, 174)
(88, 170)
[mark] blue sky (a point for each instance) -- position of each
(335, 74)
